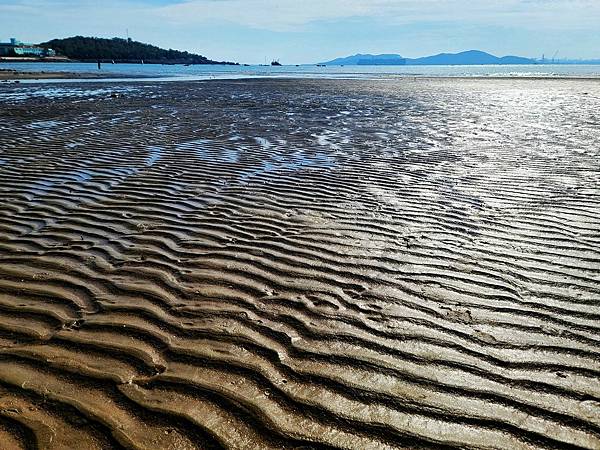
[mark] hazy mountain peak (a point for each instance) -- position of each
(468, 57)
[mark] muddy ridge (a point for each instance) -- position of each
(300, 264)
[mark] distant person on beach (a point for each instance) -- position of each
(99, 65)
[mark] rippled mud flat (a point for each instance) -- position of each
(300, 264)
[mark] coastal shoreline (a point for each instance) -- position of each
(10, 75)
(17, 75)
(126, 72)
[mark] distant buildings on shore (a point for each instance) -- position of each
(18, 48)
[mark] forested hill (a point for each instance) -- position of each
(122, 50)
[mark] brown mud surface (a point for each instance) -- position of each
(300, 264)
(15, 75)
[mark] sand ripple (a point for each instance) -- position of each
(301, 264)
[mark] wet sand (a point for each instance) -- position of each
(16, 75)
(300, 264)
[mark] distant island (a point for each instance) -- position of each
(368, 60)
(122, 51)
(471, 57)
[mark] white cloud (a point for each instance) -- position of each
(246, 30)
(295, 15)
(286, 15)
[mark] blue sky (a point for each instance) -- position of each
(303, 31)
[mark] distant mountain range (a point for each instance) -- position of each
(471, 57)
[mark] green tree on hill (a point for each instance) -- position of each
(120, 50)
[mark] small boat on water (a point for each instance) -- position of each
(275, 63)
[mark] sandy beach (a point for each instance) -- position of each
(409, 263)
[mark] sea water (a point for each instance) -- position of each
(310, 71)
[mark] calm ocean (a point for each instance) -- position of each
(310, 71)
